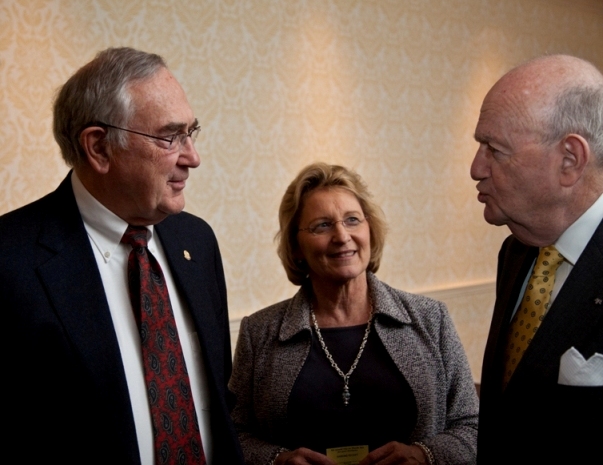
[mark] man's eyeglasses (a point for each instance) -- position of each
(324, 227)
(172, 142)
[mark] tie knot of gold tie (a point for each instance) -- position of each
(548, 261)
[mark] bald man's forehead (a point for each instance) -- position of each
(516, 106)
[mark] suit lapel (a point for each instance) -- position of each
(75, 289)
(189, 266)
(194, 260)
(515, 261)
(575, 317)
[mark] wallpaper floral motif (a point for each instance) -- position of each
(391, 88)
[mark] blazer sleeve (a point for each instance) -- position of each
(457, 442)
(255, 450)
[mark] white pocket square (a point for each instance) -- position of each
(575, 371)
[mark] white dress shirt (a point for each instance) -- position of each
(105, 230)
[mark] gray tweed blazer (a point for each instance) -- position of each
(416, 331)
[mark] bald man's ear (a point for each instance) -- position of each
(93, 141)
(576, 155)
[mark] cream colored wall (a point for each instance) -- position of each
(391, 88)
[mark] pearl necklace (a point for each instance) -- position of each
(346, 376)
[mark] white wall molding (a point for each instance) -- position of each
(462, 290)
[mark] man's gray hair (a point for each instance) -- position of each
(99, 92)
(578, 110)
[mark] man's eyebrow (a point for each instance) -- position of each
(173, 128)
(482, 138)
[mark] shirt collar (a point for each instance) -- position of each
(574, 239)
(104, 227)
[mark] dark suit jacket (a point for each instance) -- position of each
(67, 399)
(536, 420)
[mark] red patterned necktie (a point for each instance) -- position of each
(175, 428)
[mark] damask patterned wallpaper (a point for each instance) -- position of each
(391, 88)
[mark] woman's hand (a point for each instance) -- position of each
(395, 453)
(302, 456)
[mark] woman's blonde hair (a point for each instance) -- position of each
(324, 176)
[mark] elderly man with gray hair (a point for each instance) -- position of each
(114, 298)
(539, 170)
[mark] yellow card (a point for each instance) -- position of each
(350, 455)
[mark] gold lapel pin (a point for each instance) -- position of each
(187, 255)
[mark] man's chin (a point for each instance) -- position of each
(494, 218)
(163, 214)
(173, 207)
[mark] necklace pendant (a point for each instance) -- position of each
(346, 395)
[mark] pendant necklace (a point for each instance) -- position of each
(346, 376)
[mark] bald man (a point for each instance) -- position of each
(539, 171)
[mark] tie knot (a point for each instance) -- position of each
(136, 236)
(548, 261)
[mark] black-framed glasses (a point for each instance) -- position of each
(350, 223)
(179, 138)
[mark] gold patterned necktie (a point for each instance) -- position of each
(533, 308)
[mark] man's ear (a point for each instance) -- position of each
(98, 152)
(576, 155)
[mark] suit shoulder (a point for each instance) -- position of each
(27, 213)
(270, 315)
(57, 205)
(21, 225)
(418, 300)
(263, 327)
(396, 307)
(413, 303)
(190, 231)
(425, 312)
(188, 221)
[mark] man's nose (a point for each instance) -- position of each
(189, 153)
(480, 166)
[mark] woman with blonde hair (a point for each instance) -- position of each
(349, 367)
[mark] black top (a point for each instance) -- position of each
(382, 406)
